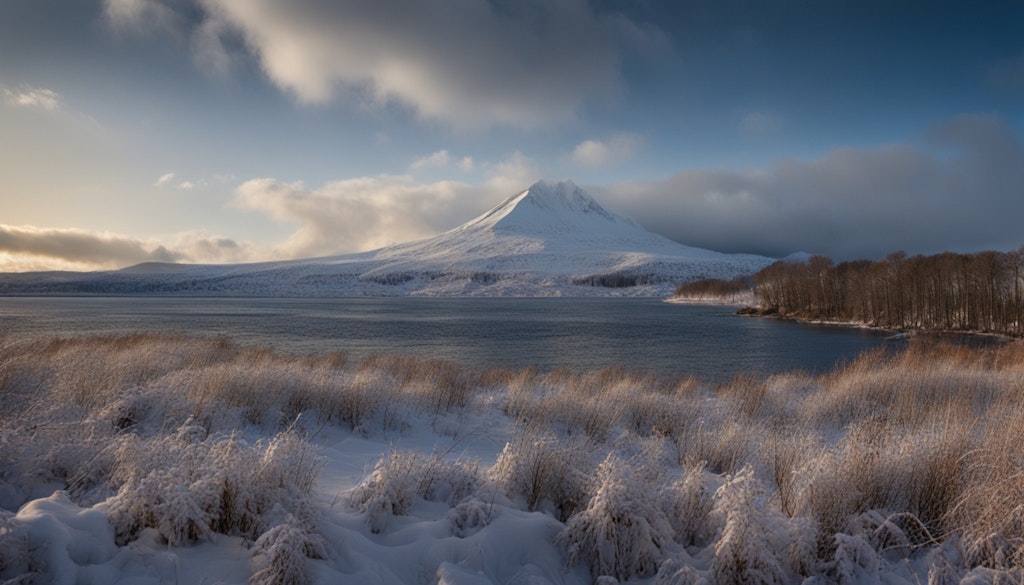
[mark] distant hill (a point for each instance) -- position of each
(552, 239)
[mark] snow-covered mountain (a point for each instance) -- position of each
(552, 239)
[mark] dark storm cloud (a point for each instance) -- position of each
(472, 63)
(961, 189)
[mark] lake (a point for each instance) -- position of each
(580, 334)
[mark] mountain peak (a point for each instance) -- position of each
(546, 206)
(562, 196)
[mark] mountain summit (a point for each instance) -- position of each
(548, 204)
(552, 239)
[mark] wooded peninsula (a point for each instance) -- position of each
(981, 292)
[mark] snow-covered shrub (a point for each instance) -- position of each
(748, 549)
(988, 513)
(687, 503)
(743, 396)
(673, 572)
(281, 553)
(400, 477)
(802, 551)
(547, 473)
(622, 532)
(785, 453)
(187, 486)
(842, 482)
(724, 444)
(855, 561)
(469, 516)
(524, 394)
(901, 532)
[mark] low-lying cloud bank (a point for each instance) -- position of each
(959, 189)
(25, 248)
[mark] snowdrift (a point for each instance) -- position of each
(160, 459)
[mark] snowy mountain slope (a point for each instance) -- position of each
(552, 239)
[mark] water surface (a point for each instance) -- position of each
(580, 334)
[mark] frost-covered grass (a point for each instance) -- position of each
(155, 458)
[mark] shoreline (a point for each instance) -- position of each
(895, 334)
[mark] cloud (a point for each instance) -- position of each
(356, 214)
(441, 159)
(79, 246)
(593, 153)
(37, 248)
(957, 190)
(142, 16)
(365, 213)
(469, 64)
(34, 97)
(163, 180)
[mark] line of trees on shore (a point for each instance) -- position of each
(981, 292)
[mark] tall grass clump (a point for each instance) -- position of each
(401, 478)
(190, 485)
(623, 531)
(544, 473)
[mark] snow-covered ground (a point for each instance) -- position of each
(154, 459)
(552, 239)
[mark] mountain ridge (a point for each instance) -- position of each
(551, 239)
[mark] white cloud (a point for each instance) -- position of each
(355, 214)
(34, 97)
(142, 16)
(594, 153)
(470, 64)
(209, 50)
(441, 159)
(370, 212)
(186, 185)
(163, 180)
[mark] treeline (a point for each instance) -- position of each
(949, 292)
(714, 287)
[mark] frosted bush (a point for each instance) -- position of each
(688, 502)
(187, 486)
(548, 474)
(746, 551)
(802, 550)
(281, 553)
(469, 516)
(401, 477)
(621, 532)
(901, 532)
(855, 561)
(673, 572)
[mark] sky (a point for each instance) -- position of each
(247, 130)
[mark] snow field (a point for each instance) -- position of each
(160, 459)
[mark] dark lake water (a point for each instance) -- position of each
(579, 334)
